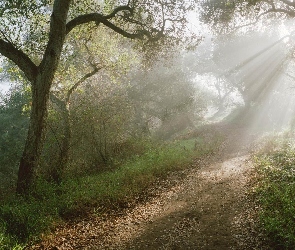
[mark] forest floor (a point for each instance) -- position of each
(208, 206)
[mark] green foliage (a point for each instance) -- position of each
(8, 242)
(277, 196)
(120, 186)
(24, 219)
(13, 128)
(222, 14)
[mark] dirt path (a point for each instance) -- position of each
(203, 208)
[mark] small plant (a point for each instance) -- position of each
(277, 197)
(23, 220)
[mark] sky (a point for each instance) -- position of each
(4, 87)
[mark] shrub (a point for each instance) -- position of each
(24, 219)
(277, 196)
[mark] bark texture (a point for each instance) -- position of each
(40, 96)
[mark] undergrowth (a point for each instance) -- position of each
(276, 193)
(23, 220)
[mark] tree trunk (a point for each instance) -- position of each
(34, 142)
(64, 107)
(63, 157)
(40, 94)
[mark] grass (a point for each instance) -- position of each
(24, 220)
(276, 193)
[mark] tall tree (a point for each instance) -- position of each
(228, 16)
(90, 63)
(146, 20)
(167, 94)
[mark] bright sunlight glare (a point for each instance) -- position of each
(260, 68)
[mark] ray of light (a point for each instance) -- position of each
(266, 88)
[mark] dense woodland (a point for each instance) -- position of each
(106, 97)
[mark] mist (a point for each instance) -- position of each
(134, 124)
(249, 77)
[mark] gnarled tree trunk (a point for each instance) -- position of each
(41, 84)
(41, 77)
(35, 137)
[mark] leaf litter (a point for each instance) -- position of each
(208, 206)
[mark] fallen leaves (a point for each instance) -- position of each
(204, 207)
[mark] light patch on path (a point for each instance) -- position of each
(199, 212)
(227, 169)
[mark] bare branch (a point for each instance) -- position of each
(254, 22)
(289, 3)
(99, 18)
(20, 59)
(84, 78)
(118, 9)
(288, 12)
(62, 103)
(95, 17)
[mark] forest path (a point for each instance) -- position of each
(205, 207)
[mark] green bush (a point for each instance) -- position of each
(23, 220)
(14, 122)
(277, 196)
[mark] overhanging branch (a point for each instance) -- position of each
(81, 80)
(254, 22)
(20, 59)
(117, 10)
(62, 103)
(99, 18)
(289, 3)
(95, 17)
(280, 10)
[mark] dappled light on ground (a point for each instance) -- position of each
(203, 207)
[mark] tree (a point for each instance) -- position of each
(166, 93)
(90, 64)
(146, 20)
(228, 16)
(102, 115)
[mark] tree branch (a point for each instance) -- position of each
(99, 18)
(95, 17)
(62, 103)
(76, 85)
(288, 12)
(118, 9)
(288, 3)
(20, 59)
(254, 22)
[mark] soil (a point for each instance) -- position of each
(208, 206)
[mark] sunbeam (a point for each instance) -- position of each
(264, 81)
